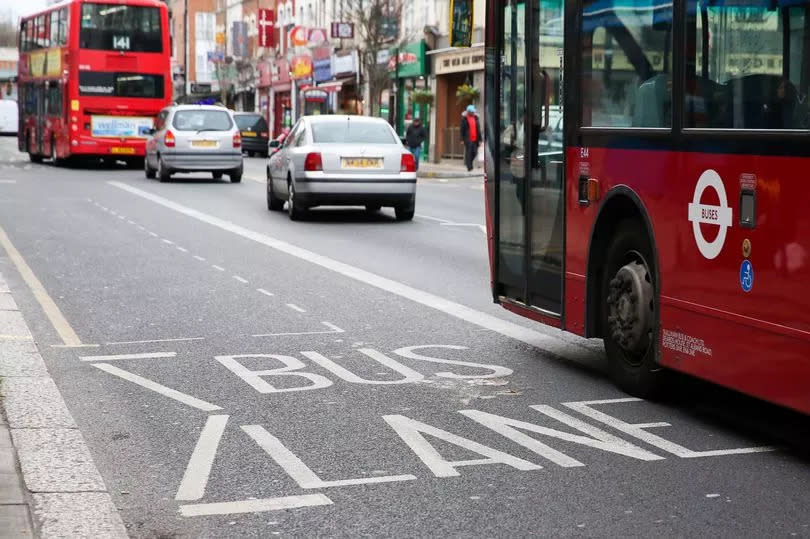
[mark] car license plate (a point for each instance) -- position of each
(248, 133)
(360, 162)
(204, 143)
(122, 150)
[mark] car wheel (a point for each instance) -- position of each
(148, 171)
(250, 154)
(216, 175)
(236, 175)
(404, 213)
(294, 210)
(373, 208)
(629, 312)
(163, 173)
(273, 202)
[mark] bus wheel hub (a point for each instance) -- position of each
(630, 307)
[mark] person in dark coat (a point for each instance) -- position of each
(470, 134)
(414, 137)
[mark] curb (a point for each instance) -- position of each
(65, 491)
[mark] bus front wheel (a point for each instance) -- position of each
(34, 157)
(630, 312)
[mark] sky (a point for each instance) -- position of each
(18, 8)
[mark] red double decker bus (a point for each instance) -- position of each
(93, 74)
(646, 168)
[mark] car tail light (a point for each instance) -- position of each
(264, 134)
(237, 140)
(313, 162)
(168, 139)
(407, 164)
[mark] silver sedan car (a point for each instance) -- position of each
(342, 160)
(194, 138)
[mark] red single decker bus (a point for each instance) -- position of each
(646, 167)
(93, 74)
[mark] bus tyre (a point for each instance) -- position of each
(630, 312)
(163, 173)
(55, 161)
(148, 171)
(35, 158)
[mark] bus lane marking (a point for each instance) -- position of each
(150, 341)
(183, 398)
(195, 478)
(149, 355)
(509, 329)
(254, 506)
(295, 307)
(265, 292)
(332, 329)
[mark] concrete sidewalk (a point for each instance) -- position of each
(49, 485)
(449, 168)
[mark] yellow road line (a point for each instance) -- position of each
(53, 313)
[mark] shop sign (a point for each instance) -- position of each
(344, 64)
(317, 36)
(299, 36)
(280, 73)
(342, 30)
(267, 19)
(322, 63)
(240, 39)
(301, 67)
(455, 62)
(411, 61)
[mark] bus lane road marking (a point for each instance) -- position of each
(541, 341)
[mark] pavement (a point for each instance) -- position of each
(211, 369)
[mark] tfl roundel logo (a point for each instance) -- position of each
(709, 214)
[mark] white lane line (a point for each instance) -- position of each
(431, 218)
(58, 320)
(254, 506)
(168, 242)
(8, 181)
(181, 249)
(122, 217)
(218, 268)
(240, 279)
(195, 478)
(153, 234)
(332, 329)
(4, 337)
(188, 400)
(457, 310)
(295, 307)
(198, 257)
(149, 355)
(130, 221)
(265, 292)
(181, 339)
(141, 227)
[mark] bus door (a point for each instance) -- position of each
(41, 108)
(531, 155)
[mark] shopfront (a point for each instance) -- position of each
(348, 99)
(408, 69)
(281, 97)
(453, 69)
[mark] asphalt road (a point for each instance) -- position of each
(236, 374)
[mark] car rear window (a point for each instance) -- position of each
(196, 120)
(352, 132)
(253, 122)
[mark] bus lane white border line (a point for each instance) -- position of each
(195, 478)
(509, 329)
(254, 506)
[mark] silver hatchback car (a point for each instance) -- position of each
(194, 138)
(342, 160)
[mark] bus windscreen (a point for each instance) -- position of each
(114, 27)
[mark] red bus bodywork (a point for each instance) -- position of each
(68, 128)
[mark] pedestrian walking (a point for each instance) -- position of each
(414, 137)
(470, 135)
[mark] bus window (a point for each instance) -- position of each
(746, 65)
(54, 29)
(43, 36)
(627, 63)
(23, 37)
(63, 26)
(54, 107)
(120, 28)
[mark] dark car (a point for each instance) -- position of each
(255, 133)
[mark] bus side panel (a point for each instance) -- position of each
(734, 307)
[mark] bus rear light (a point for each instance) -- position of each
(407, 163)
(74, 142)
(313, 162)
(237, 140)
(168, 139)
(74, 119)
(264, 134)
(74, 127)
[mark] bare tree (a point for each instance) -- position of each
(8, 30)
(376, 24)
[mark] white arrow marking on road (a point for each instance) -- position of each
(509, 329)
(192, 487)
(254, 506)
